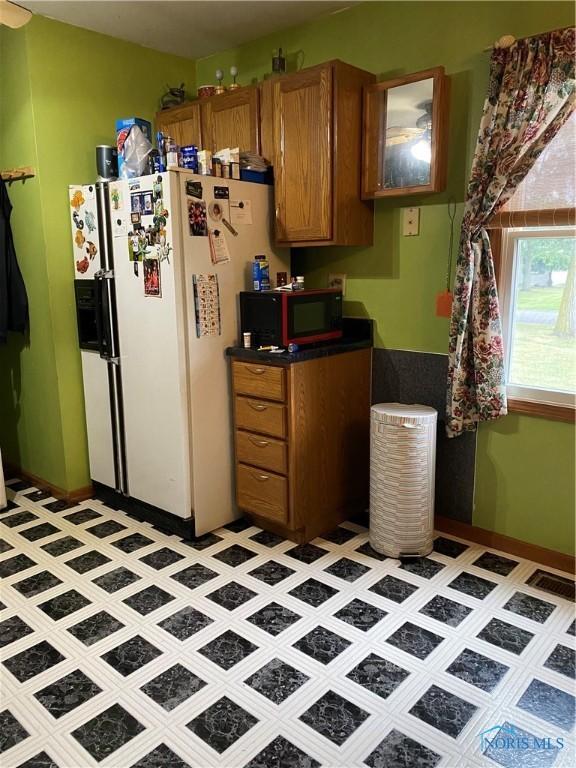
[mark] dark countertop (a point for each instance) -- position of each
(358, 334)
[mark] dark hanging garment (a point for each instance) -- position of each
(13, 299)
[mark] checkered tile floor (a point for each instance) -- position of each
(124, 646)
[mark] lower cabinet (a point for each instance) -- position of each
(302, 441)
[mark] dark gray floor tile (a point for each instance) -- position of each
(237, 526)
(347, 569)
(37, 495)
(339, 535)
(378, 675)
(11, 731)
(59, 505)
(530, 607)
(41, 760)
(322, 645)
(504, 635)
(513, 747)
(313, 592)
(131, 655)
(445, 610)
(478, 670)
(490, 561)
(185, 623)
(107, 732)
(415, 640)
(173, 686)
(162, 558)
(17, 485)
(361, 615)
(34, 585)
(87, 562)
(422, 566)
(562, 660)
(148, 600)
(222, 724)
(267, 538)
(194, 576)
(64, 695)
(202, 542)
(132, 542)
(106, 528)
(62, 546)
(272, 572)
(306, 553)
(443, 710)
(32, 661)
(2, 606)
(39, 531)
(13, 629)
(274, 618)
(394, 589)
(234, 555)
(334, 717)
(281, 753)
(231, 595)
(228, 649)
(548, 703)
(472, 585)
(95, 628)
(400, 751)
(19, 518)
(572, 628)
(5, 547)
(277, 680)
(368, 550)
(161, 757)
(117, 579)
(63, 605)
(449, 547)
(15, 564)
(82, 516)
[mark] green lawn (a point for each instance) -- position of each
(541, 359)
(539, 298)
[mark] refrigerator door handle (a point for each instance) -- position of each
(103, 325)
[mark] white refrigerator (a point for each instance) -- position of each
(159, 262)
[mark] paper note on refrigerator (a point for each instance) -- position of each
(240, 211)
(207, 305)
(219, 252)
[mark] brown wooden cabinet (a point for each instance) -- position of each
(182, 123)
(302, 441)
(232, 120)
(315, 145)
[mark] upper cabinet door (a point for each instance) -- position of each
(183, 124)
(232, 120)
(303, 124)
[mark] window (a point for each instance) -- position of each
(534, 247)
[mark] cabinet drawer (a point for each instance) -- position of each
(262, 452)
(262, 493)
(259, 380)
(260, 416)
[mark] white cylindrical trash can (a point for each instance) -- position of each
(402, 468)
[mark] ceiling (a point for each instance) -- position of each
(190, 28)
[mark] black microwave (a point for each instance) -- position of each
(291, 317)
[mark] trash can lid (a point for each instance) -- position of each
(403, 410)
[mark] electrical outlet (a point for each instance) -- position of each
(410, 222)
(337, 281)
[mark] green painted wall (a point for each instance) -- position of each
(396, 280)
(77, 84)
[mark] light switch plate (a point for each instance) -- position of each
(410, 222)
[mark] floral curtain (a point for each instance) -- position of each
(531, 95)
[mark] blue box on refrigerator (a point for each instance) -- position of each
(123, 128)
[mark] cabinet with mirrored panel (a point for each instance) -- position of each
(405, 135)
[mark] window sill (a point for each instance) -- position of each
(544, 410)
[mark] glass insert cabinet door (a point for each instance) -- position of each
(405, 135)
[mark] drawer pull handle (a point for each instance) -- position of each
(262, 477)
(257, 407)
(259, 443)
(257, 371)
